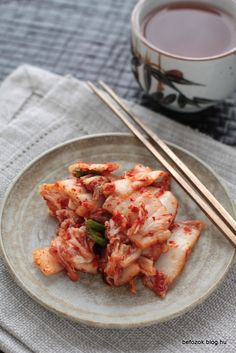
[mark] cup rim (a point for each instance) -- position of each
(135, 28)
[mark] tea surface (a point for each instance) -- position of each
(190, 30)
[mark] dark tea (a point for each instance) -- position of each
(193, 30)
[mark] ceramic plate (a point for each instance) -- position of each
(25, 226)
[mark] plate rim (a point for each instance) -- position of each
(90, 322)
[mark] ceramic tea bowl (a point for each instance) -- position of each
(181, 83)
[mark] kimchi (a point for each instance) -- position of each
(119, 226)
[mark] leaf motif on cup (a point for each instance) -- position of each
(178, 77)
(200, 100)
(135, 68)
(166, 100)
(136, 60)
(170, 98)
(183, 81)
(181, 101)
(168, 78)
(195, 101)
(136, 74)
(174, 73)
(162, 77)
(158, 96)
(147, 77)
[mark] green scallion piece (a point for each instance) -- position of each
(94, 235)
(98, 227)
(79, 173)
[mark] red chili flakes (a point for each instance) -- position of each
(187, 229)
(158, 283)
(173, 226)
(99, 180)
(86, 204)
(94, 263)
(130, 173)
(134, 209)
(67, 236)
(117, 217)
(159, 192)
(109, 188)
(164, 182)
(64, 203)
(89, 187)
(172, 244)
(140, 220)
(161, 284)
(78, 181)
(76, 248)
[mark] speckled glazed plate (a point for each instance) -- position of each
(25, 225)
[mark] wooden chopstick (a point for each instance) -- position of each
(192, 179)
(206, 208)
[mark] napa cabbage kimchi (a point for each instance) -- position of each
(120, 226)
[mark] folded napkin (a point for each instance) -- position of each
(39, 110)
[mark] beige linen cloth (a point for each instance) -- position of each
(39, 110)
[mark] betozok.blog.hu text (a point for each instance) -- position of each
(207, 342)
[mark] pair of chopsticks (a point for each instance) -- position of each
(179, 171)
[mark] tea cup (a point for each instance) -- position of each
(183, 84)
